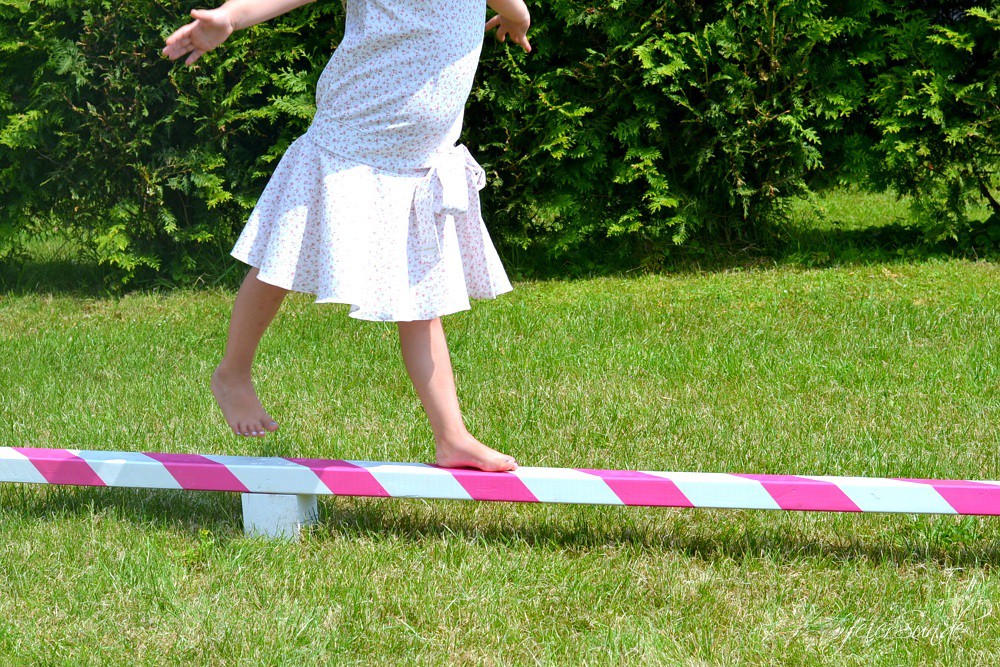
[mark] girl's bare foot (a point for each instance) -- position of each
(464, 451)
(235, 394)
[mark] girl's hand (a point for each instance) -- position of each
(516, 29)
(210, 28)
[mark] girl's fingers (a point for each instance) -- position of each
(178, 43)
(177, 49)
(174, 38)
(502, 32)
(181, 33)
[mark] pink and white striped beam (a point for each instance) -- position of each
(288, 476)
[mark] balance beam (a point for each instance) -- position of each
(279, 494)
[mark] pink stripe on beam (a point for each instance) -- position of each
(801, 493)
(344, 478)
(966, 497)
(59, 466)
(641, 488)
(197, 473)
(492, 485)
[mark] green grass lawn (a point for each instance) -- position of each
(869, 366)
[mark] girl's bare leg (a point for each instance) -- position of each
(425, 353)
(256, 305)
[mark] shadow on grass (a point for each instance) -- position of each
(799, 246)
(793, 246)
(163, 509)
(66, 269)
(738, 535)
(52, 276)
(943, 540)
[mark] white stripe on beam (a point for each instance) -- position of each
(132, 469)
(272, 475)
(716, 489)
(565, 485)
(890, 495)
(415, 480)
(15, 467)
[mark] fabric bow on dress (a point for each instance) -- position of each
(444, 191)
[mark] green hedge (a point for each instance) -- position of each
(153, 164)
(653, 121)
(632, 125)
(934, 103)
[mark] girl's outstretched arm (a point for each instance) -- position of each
(512, 19)
(212, 27)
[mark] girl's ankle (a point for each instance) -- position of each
(230, 370)
(451, 435)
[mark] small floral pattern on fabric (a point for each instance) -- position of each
(375, 205)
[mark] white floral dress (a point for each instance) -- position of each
(375, 205)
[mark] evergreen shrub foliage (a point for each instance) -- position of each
(653, 121)
(153, 164)
(631, 126)
(935, 105)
